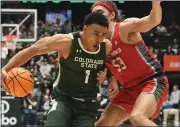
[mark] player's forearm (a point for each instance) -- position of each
(156, 13)
(113, 79)
(19, 59)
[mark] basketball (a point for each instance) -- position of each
(20, 82)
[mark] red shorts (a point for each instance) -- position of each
(127, 97)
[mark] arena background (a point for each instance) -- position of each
(63, 17)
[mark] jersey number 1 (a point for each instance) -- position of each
(87, 76)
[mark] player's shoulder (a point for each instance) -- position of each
(108, 46)
(62, 37)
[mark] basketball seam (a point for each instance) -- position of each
(15, 76)
(25, 79)
(13, 87)
(19, 82)
(22, 77)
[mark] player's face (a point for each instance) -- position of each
(104, 11)
(94, 34)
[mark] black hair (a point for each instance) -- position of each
(115, 8)
(96, 18)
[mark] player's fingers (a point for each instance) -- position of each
(4, 75)
(101, 73)
(4, 86)
(105, 70)
(112, 93)
(98, 81)
(99, 76)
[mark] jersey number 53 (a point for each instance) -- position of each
(119, 64)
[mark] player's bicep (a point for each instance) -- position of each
(40, 47)
(139, 24)
(48, 44)
(61, 42)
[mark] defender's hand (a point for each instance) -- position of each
(113, 88)
(101, 76)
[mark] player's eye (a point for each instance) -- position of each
(103, 35)
(96, 34)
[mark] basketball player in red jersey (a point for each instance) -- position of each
(144, 86)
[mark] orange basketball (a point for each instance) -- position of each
(20, 82)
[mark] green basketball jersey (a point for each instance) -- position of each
(77, 73)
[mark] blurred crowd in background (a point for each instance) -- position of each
(160, 40)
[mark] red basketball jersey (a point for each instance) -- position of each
(131, 63)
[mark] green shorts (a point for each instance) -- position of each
(72, 113)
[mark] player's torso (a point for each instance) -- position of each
(78, 72)
(131, 63)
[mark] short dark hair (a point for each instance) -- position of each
(96, 18)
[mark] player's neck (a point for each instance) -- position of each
(111, 29)
(83, 40)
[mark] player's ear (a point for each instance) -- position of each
(112, 15)
(85, 28)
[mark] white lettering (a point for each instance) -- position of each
(88, 63)
(81, 59)
(76, 59)
(175, 64)
(95, 66)
(82, 64)
(79, 99)
(5, 107)
(115, 52)
(91, 60)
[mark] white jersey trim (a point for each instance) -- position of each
(80, 43)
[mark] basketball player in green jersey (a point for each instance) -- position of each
(82, 56)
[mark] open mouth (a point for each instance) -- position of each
(95, 46)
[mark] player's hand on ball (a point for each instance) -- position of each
(101, 76)
(19, 82)
(4, 76)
